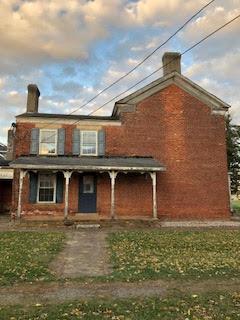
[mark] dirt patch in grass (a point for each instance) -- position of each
(215, 306)
(56, 292)
(25, 256)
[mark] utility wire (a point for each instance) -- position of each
(140, 63)
(143, 60)
(184, 52)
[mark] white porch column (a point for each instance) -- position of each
(113, 175)
(154, 193)
(21, 177)
(229, 190)
(67, 176)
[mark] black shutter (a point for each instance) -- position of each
(101, 143)
(34, 146)
(76, 142)
(59, 188)
(61, 141)
(33, 187)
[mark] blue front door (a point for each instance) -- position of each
(87, 193)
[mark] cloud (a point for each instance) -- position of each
(73, 49)
(55, 29)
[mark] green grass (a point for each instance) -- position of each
(236, 206)
(139, 255)
(211, 306)
(24, 256)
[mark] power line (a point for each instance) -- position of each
(142, 61)
(187, 50)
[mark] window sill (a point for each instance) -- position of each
(44, 203)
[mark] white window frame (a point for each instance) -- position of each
(54, 191)
(81, 143)
(55, 134)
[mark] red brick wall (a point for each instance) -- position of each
(179, 131)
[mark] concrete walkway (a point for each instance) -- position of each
(85, 254)
(201, 224)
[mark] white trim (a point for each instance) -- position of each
(54, 190)
(81, 140)
(165, 81)
(56, 141)
(87, 168)
(82, 122)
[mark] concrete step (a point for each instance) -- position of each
(87, 226)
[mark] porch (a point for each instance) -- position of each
(6, 177)
(86, 178)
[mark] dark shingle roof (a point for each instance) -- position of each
(65, 116)
(89, 163)
(4, 163)
(3, 148)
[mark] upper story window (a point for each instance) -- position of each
(89, 143)
(48, 142)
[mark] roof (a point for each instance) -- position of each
(65, 116)
(89, 163)
(3, 148)
(4, 163)
(176, 78)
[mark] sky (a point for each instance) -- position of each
(73, 49)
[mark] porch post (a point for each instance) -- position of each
(154, 193)
(21, 177)
(67, 176)
(113, 175)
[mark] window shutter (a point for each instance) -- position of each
(76, 142)
(34, 146)
(59, 187)
(61, 141)
(33, 187)
(101, 143)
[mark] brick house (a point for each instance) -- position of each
(161, 154)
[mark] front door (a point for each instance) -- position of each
(87, 193)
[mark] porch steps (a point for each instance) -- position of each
(87, 226)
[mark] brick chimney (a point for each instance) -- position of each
(32, 98)
(171, 62)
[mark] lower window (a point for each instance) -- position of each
(47, 188)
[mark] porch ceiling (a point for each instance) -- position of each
(89, 163)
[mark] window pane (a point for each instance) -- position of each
(89, 142)
(89, 149)
(48, 136)
(46, 180)
(48, 139)
(46, 195)
(88, 184)
(89, 137)
(49, 148)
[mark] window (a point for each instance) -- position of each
(89, 143)
(48, 142)
(88, 184)
(47, 188)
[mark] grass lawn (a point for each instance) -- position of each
(139, 255)
(24, 256)
(209, 306)
(236, 206)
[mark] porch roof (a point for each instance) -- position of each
(89, 163)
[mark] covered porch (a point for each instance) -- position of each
(69, 167)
